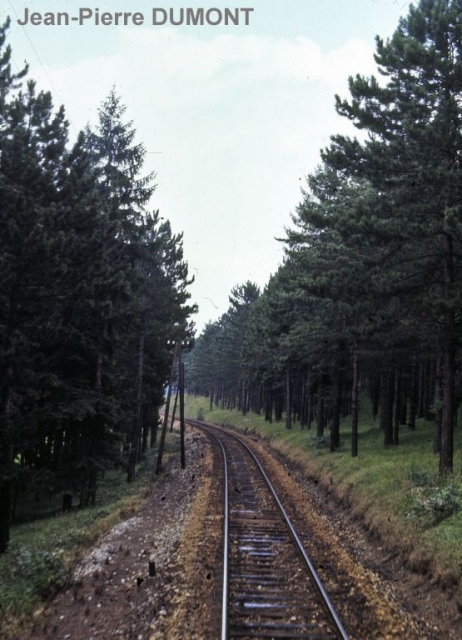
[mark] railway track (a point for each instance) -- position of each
(270, 587)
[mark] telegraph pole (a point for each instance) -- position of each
(181, 391)
(167, 409)
(177, 357)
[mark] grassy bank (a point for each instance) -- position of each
(42, 553)
(395, 490)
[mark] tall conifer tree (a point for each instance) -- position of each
(412, 158)
(32, 145)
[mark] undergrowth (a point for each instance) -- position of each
(42, 553)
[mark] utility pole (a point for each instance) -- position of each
(181, 390)
(174, 409)
(177, 357)
(167, 409)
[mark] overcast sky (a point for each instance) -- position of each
(232, 118)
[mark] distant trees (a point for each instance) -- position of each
(215, 365)
(93, 289)
(370, 292)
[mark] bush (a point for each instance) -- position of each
(320, 442)
(419, 478)
(200, 414)
(44, 569)
(435, 504)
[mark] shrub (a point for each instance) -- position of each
(419, 478)
(434, 504)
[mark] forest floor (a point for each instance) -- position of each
(111, 594)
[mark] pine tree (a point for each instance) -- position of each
(123, 195)
(33, 140)
(93, 288)
(159, 316)
(412, 158)
(8, 82)
(120, 163)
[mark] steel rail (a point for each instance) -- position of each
(316, 579)
(293, 533)
(224, 612)
(224, 606)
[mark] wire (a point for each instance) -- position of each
(53, 88)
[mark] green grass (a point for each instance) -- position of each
(42, 552)
(395, 490)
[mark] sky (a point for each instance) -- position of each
(232, 117)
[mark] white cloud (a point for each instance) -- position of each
(238, 119)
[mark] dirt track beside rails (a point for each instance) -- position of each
(112, 595)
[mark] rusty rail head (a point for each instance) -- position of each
(224, 610)
(224, 604)
(316, 579)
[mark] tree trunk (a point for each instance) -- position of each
(6, 450)
(268, 406)
(98, 426)
(277, 405)
(447, 422)
(182, 423)
(5, 513)
(387, 407)
(335, 422)
(154, 426)
(354, 403)
(288, 402)
(397, 412)
(212, 388)
(404, 396)
(134, 448)
(243, 401)
(167, 409)
(92, 485)
(6, 461)
(145, 428)
(413, 395)
(438, 408)
(320, 413)
(421, 393)
(375, 396)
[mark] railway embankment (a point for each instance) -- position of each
(358, 507)
(387, 505)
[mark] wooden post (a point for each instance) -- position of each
(288, 401)
(354, 402)
(174, 409)
(182, 423)
(167, 409)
